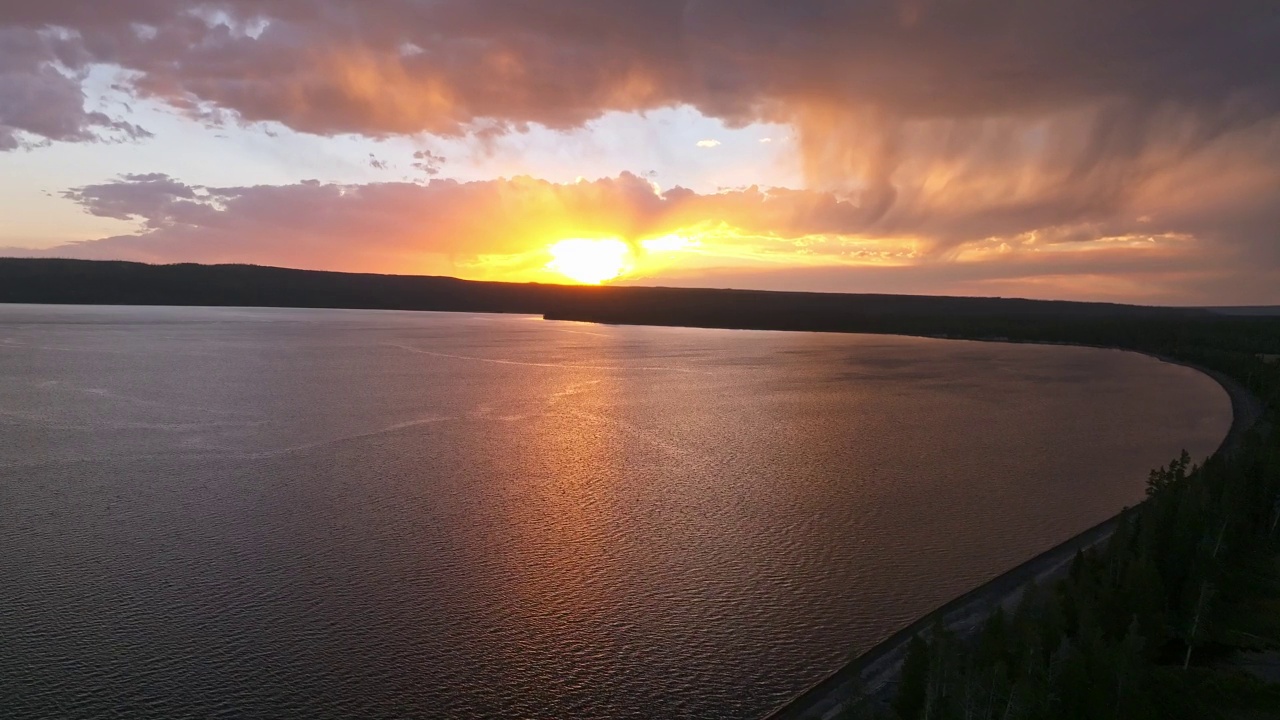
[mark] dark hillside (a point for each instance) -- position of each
(1166, 330)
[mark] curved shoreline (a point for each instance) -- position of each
(873, 673)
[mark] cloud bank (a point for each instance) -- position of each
(954, 125)
(753, 237)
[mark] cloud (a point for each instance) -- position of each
(1115, 276)
(752, 237)
(1081, 96)
(944, 123)
(41, 101)
(338, 224)
(153, 198)
(427, 162)
(708, 143)
(402, 66)
(385, 227)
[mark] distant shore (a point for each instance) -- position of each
(872, 674)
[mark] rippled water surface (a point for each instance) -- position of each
(320, 513)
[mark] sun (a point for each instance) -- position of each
(590, 261)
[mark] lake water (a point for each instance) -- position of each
(325, 513)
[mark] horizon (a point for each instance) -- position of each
(1264, 309)
(1078, 152)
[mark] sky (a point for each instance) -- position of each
(1113, 150)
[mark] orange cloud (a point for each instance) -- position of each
(506, 229)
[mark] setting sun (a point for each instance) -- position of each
(590, 261)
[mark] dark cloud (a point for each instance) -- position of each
(402, 65)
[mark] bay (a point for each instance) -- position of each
(337, 513)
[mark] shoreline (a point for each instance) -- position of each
(872, 674)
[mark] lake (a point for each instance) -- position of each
(337, 513)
